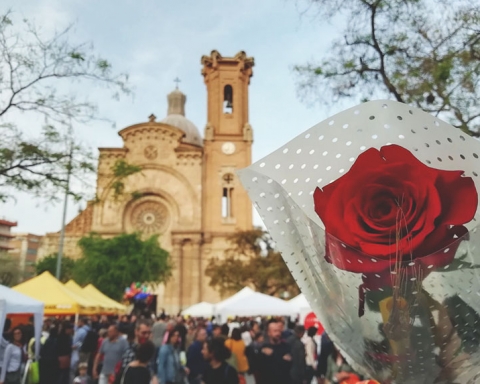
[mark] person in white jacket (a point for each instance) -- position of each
(310, 352)
(4, 342)
(13, 360)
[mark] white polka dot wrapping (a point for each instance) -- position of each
(444, 331)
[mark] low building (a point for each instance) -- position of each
(24, 248)
(6, 234)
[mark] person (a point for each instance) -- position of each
(78, 339)
(124, 324)
(218, 371)
(48, 364)
(14, 359)
(275, 357)
(224, 331)
(182, 330)
(338, 368)
(216, 331)
(250, 333)
(102, 335)
(64, 352)
(253, 352)
(4, 341)
(158, 331)
(311, 353)
(287, 329)
(195, 361)
(298, 367)
(111, 351)
(326, 349)
(170, 327)
(82, 377)
(236, 345)
(95, 323)
(47, 325)
(190, 338)
(28, 330)
(169, 367)
(143, 332)
(138, 372)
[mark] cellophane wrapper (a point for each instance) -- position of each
(435, 337)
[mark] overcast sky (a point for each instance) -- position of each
(156, 41)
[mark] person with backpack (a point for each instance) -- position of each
(78, 339)
(218, 371)
(138, 372)
(236, 345)
(89, 349)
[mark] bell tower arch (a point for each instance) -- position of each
(227, 145)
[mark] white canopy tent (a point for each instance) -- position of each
(12, 302)
(257, 304)
(237, 296)
(299, 303)
(301, 307)
(202, 309)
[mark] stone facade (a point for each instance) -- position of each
(187, 190)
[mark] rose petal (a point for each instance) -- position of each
(459, 197)
(397, 154)
(350, 259)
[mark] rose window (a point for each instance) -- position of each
(150, 217)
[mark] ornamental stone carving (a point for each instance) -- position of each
(150, 217)
(151, 152)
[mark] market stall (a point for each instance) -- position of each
(58, 299)
(12, 302)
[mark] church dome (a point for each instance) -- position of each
(176, 118)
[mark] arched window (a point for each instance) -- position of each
(227, 195)
(228, 99)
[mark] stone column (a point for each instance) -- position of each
(173, 287)
(198, 271)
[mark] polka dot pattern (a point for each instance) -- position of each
(281, 186)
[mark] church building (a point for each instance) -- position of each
(187, 191)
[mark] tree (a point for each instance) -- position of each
(113, 264)
(424, 53)
(251, 260)
(49, 264)
(40, 78)
(9, 270)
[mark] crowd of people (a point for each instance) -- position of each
(172, 350)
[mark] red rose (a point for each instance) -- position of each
(388, 192)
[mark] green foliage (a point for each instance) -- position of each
(121, 170)
(424, 53)
(49, 264)
(251, 261)
(40, 77)
(113, 264)
(9, 270)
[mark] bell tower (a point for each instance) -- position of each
(227, 144)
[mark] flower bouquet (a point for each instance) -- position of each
(374, 211)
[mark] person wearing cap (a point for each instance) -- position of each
(82, 377)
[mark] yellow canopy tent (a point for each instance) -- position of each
(92, 291)
(103, 307)
(58, 299)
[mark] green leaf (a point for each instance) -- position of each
(77, 56)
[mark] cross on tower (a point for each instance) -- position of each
(177, 81)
